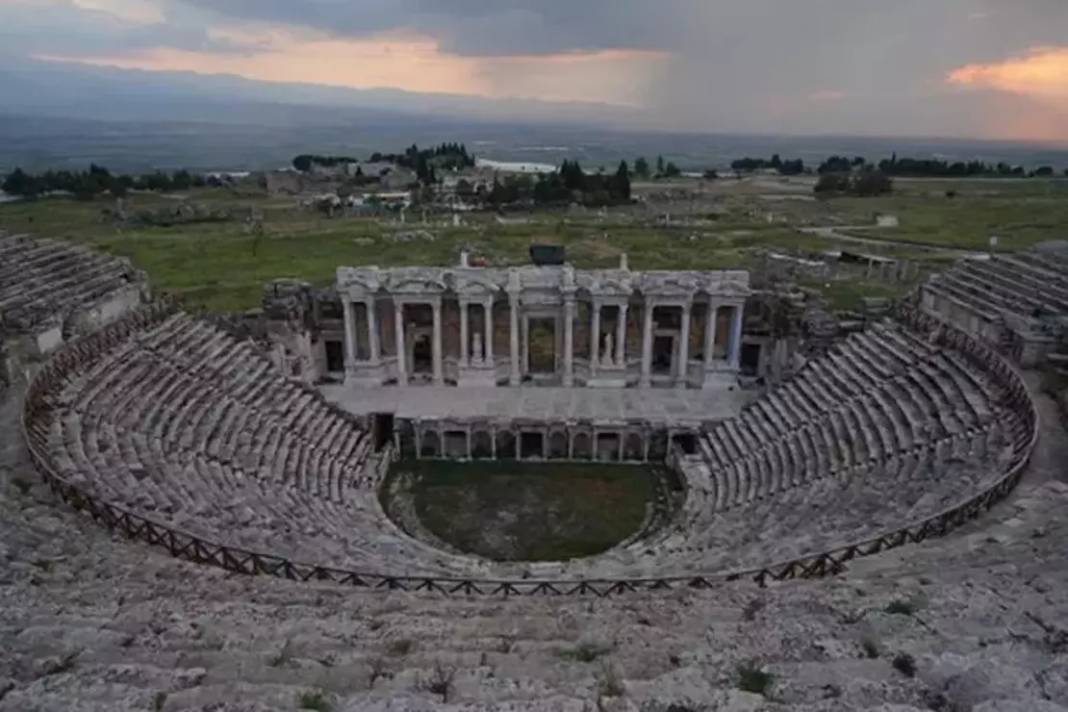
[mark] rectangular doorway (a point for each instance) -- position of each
(541, 346)
(663, 355)
(381, 430)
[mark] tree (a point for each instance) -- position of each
(869, 184)
(671, 170)
(832, 183)
(711, 174)
(621, 186)
(117, 187)
(21, 183)
(1044, 172)
(641, 167)
(660, 165)
(865, 184)
(181, 180)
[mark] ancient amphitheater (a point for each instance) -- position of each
(185, 525)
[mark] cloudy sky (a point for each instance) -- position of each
(974, 68)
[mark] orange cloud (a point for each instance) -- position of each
(398, 60)
(1041, 73)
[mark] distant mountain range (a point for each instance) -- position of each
(72, 89)
(64, 115)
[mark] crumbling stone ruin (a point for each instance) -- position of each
(880, 531)
(51, 292)
(1015, 302)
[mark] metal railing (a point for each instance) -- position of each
(188, 547)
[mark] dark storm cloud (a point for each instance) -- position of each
(485, 27)
(59, 27)
(506, 27)
(851, 66)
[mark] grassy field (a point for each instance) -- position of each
(221, 266)
(511, 511)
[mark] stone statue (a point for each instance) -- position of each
(476, 348)
(609, 356)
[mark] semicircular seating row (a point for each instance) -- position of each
(42, 278)
(171, 418)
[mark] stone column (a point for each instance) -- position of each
(464, 348)
(487, 336)
(350, 333)
(647, 344)
(438, 377)
(372, 331)
(513, 302)
(595, 336)
(710, 335)
(621, 337)
(525, 341)
(736, 337)
(684, 349)
(398, 317)
(569, 342)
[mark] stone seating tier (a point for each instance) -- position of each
(44, 278)
(172, 419)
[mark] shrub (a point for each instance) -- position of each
(313, 701)
(609, 682)
(586, 652)
(905, 664)
(752, 679)
(376, 670)
(870, 647)
(285, 654)
(901, 608)
(440, 681)
(400, 648)
(751, 609)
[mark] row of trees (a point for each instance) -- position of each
(866, 183)
(446, 156)
(97, 180)
(567, 185)
(775, 163)
(305, 161)
(664, 169)
(933, 168)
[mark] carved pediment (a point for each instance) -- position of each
(416, 285)
(478, 286)
(362, 279)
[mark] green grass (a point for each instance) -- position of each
(220, 267)
(528, 511)
(847, 294)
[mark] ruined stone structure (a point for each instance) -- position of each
(549, 325)
(51, 292)
(1016, 302)
(167, 430)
